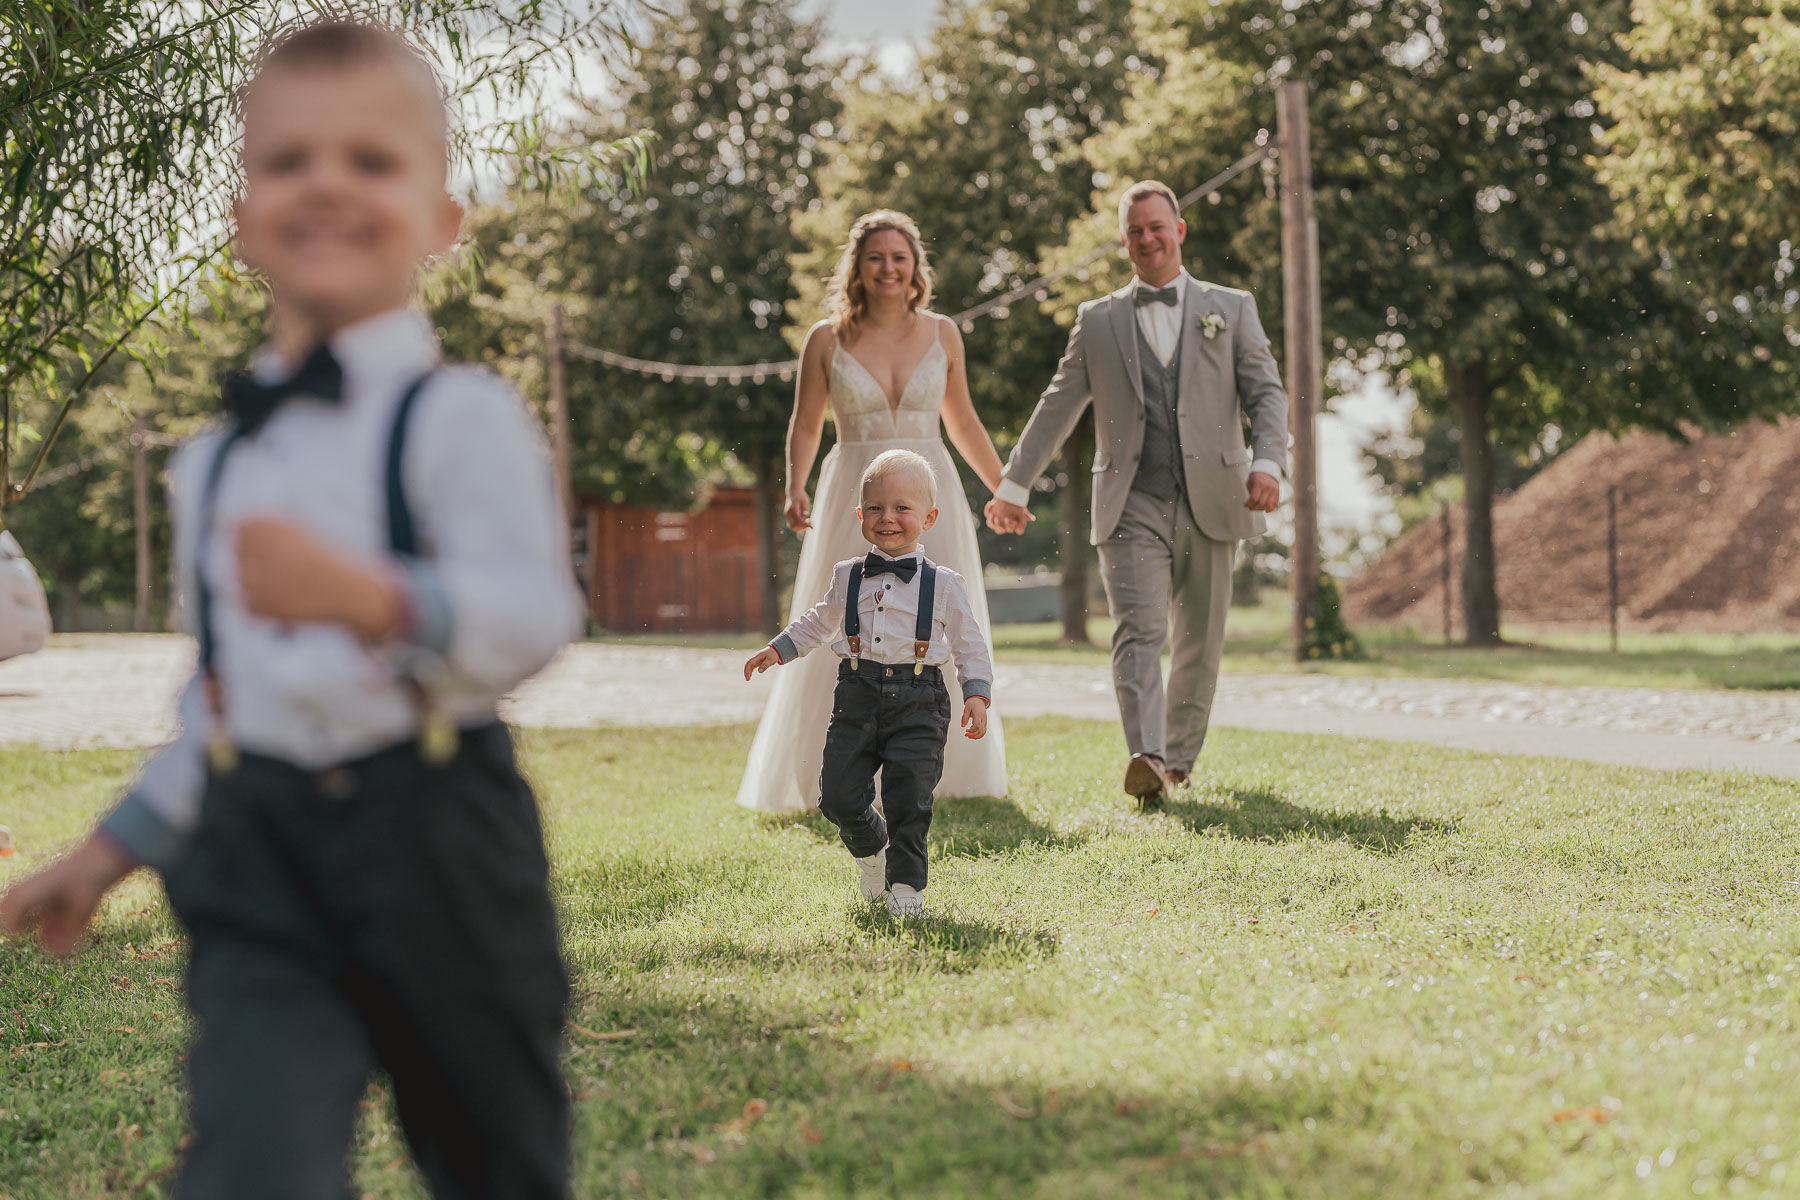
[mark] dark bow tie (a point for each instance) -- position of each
(905, 568)
(251, 403)
(1168, 295)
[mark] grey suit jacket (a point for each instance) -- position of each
(1223, 378)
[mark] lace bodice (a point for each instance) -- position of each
(860, 406)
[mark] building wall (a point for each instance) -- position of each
(652, 571)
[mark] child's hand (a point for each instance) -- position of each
(974, 718)
(59, 901)
(287, 574)
(761, 661)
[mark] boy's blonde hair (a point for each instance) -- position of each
(339, 44)
(900, 462)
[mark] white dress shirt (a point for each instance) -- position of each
(1161, 323)
(493, 599)
(888, 612)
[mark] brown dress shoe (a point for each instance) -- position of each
(1144, 778)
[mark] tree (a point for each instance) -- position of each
(1465, 224)
(1706, 171)
(697, 269)
(985, 151)
(116, 131)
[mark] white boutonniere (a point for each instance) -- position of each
(1211, 324)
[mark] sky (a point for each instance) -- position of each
(1348, 500)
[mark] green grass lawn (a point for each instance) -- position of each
(1257, 641)
(1334, 968)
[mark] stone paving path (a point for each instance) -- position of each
(118, 691)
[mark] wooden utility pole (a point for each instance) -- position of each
(140, 521)
(559, 410)
(1300, 320)
(1612, 564)
(1444, 562)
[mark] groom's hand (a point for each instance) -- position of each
(1265, 493)
(1003, 516)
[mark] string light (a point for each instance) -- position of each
(999, 307)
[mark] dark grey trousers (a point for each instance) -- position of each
(885, 718)
(384, 914)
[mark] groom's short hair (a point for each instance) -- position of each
(1144, 188)
(900, 462)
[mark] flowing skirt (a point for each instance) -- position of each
(783, 772)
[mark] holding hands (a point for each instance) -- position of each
(1003, 516)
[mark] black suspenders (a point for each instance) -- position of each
(921, 631)
(403, 540)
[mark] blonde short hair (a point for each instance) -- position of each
(847, 303)
(900, 462)
(342, 44)
(1143, 189)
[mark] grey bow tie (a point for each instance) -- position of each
(1167, 295)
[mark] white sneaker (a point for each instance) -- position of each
(872, 875)
(906, 902)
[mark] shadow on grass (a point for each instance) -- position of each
(961, 827)
(699, 1097)
(1262, 816)
(958, 943)
(981, 826)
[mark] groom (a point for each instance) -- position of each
(1172, 365)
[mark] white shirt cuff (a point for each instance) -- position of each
(1267, 467)
(1013, 493)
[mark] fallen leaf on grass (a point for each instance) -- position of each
(610, 1035)
(702, 1155)
(1151, 912)
(900, 1064)
(1592, 1112)
(753, 1112)
(1125, 1108)
(808, 1134)
(1012, 1108)
(124, 1029)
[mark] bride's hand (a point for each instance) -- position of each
(798, 511)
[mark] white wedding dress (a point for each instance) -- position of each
(783, 772)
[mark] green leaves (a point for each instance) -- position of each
(118, 149)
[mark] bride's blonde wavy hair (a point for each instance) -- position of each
(849, 303)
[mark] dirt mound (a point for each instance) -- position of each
(1709, 538)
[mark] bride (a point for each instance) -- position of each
(890, 369)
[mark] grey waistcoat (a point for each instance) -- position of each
(1159, 471)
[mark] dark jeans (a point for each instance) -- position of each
(385, 913)
(885, 718)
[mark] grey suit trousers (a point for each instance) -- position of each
(1163, 575)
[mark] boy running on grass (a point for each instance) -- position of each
(372, 553)
(894, 617)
